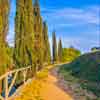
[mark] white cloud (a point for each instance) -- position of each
(75, 16)
(83, 22)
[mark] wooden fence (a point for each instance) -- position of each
(15, 74)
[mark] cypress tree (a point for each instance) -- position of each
(47, 55)
(38, 38)
(19, 33)
(54, 47)
(60, 51)
(4, 57)
(4, 6)
(24, 37)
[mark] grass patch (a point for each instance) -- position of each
(31, 91)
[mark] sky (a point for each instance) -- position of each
(76, 22)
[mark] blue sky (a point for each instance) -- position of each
(77, 22)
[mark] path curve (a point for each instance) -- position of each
(50, 91)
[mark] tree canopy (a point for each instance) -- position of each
(4, 57)
(54, 47)
(69, 54)
(47, 54)
(24, 37)
(60, 49)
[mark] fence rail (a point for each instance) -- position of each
(5, 78)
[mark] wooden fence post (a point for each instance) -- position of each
(6, 88)
(24, 75)
(13, 81)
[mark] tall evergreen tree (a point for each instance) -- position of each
(4, 57)
(4, 6)
(47, 55)
(60, 51)
(38, 39)
(24, 37)
(54, 47)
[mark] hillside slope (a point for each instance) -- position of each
(87, 67)
(84, 70)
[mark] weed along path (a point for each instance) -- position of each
(43, 87)
(50, 91)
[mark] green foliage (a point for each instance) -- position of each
(31, 36)
(46, 45)
(4, 13)
(69, 54)
(38, 37)
(54, 47)
(86, 69)
(24, 37)
(4, 57)
(87, 66)
(60, 51)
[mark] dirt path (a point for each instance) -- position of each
(50, 91)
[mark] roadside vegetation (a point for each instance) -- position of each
(83, 74)
(69, 54)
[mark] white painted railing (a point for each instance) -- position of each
(5, 78)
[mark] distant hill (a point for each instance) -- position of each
(86, 69)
